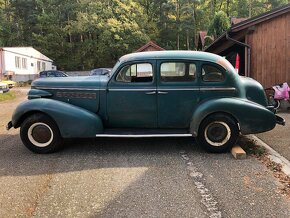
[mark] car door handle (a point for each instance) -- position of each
(163, 93)
(151, 93)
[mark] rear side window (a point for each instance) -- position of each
(211, 73)
(177, 72)
(142, 72)
(50, 74)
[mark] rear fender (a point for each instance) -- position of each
(250, 116)
(72, 121)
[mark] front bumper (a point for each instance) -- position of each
(4, 90)
(9, 125)
(280, 120)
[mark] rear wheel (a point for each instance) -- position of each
(40, 134)
(218, 133)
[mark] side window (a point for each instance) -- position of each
(50, 74)
(177, 72)
(142, 72)
(211, 74)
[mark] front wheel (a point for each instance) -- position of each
(40, 134)
(218, 133)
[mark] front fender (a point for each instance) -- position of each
(72, 121)
(251, 117)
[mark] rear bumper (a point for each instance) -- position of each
(271, 108)
(280, 120)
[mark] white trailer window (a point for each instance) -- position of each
(24, 63)
(17, 62)
(43, 66)
(38, 66)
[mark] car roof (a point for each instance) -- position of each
(197, 55)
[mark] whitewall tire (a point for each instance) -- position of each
(218, 133)
(40, 134)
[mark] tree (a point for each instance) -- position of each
(85, 34)
(219, 24)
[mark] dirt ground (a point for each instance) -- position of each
(7, 107)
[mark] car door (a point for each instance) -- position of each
(177, 92)
(131, 96)
(214, 82)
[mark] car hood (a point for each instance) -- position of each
(8, 81)
(81, 82)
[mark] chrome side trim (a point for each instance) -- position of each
(141, 90)
(142, 136)
(135, 90)
(178, 89)
(217, 89)
(159, 89)
(60, 88)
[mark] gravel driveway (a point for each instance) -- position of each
(132, 178)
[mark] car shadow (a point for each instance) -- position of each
(86, 154)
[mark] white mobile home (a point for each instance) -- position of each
(22, 63)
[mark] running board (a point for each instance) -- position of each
(142, 136)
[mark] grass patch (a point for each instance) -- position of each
(7, 96)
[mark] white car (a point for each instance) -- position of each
(3, 87)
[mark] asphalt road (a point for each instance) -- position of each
(132, 178)
(279, 138)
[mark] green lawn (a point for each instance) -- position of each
(7, 96)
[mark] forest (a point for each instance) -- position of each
(86, 34)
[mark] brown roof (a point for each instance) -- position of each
(235, 20)
(250, 22)
(261, 18)
(152, 44)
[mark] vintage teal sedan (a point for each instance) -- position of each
(150, 94)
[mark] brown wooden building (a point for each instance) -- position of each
(150, 46)
(263, 44)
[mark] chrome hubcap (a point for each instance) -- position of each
(40, 134)
(217, 133)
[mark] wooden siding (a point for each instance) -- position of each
(270, 43)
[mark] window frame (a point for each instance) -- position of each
(17, 62)
(187, 64)
(43, 65)
(38, 63)
(24, 63)
(130, 64)
(220, 68)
